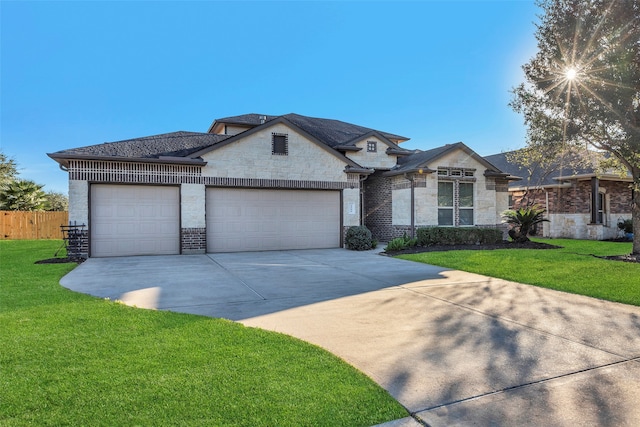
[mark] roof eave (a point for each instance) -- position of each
(358, 170)
(419, 171)
(399, 151)
(348, 148)
(63, 159)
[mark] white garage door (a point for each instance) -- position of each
(134, 220)
(263, 220)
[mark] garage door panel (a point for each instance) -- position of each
(255, 220)
(134, 220)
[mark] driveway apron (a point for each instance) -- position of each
(454, 348)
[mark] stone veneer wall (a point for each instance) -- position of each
(378, 207)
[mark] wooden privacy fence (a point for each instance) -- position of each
(18, 225)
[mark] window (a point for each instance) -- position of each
(445, 203)
(468, 173)
(601, 208)
(465, 203)
(443, 172)
(456, 173)
(455, 203)
(372, 146)
(279, 144)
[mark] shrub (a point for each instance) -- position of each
(358, 238)
(523, 220)
(626, 226)
(396, 244)
(428, 236)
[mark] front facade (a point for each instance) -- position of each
(256, 182)
(580, 204)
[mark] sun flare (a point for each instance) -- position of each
(571, 73)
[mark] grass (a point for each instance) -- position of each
(71, 359)
(571, 269)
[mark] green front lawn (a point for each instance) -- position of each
(71, 359)
(571, 269)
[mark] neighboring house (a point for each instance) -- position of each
(257, 182)
(580, 203)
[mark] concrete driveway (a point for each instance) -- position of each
(454, 348)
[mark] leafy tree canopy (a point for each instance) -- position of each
(8, 169)
(22, 195)
(583, 86)
(55, 201)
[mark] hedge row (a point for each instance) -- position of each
(458, 236)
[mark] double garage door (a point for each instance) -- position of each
(145, 220)
(262, 220)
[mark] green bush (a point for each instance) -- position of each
(626, 226)
(358, 238)
(428, 236)
(396, 244)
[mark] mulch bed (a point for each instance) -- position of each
(483, 247)
(60, 260)
(625, 258)
(503, 245)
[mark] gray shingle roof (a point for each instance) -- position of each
(174, 144)
(331, 132)
(539, 176)
(420, 159)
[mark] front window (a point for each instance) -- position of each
(455, 203)
(445, 203)
(465, 203)
(372, 146)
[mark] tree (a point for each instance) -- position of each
(56, 201)
(523, 221)
(8, 169)
(583, 85)
(22, 195)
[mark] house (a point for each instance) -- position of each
(258, 182)
(581, 202)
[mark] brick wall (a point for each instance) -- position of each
(577, 198)
(193, 240)
(619, 194)
(378, 207)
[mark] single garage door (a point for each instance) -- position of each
(134, 220)
(264, 220)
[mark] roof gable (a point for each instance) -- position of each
(421, 159)
(271, 123)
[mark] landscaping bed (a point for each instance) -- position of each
(475, 247)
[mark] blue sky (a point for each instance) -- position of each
(83, 73)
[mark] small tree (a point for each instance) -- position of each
(22, 195)
(8, 169)
(523, 220)
(56, 201)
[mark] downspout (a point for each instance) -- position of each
(546, 208)
(410, 178)
(363, 178)
(595, 200)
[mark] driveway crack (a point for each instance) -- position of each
(235, 276)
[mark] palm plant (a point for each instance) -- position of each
(523, 220)
(22, 195)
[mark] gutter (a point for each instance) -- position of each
(63, 159)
